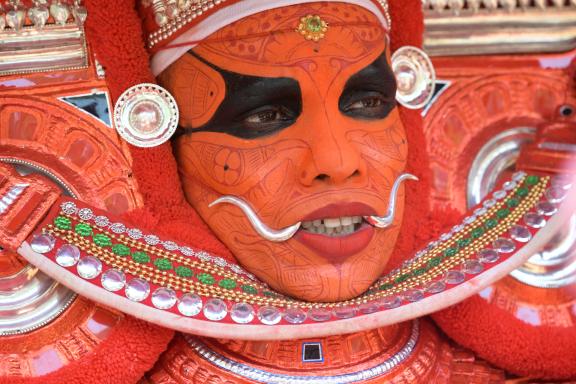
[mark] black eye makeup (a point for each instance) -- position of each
(255, 107)
(371, 93)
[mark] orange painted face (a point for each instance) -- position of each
(302, 131)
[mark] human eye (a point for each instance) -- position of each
(266, 120)
(368, 105)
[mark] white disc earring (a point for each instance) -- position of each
(146, 115)
(415, 77)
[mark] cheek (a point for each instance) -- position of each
(237, 170)
(383, 146)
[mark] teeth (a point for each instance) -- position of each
(346, 221)
(334, 226)
(332, 223)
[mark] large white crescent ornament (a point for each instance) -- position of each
(415, 77)
(146, 115)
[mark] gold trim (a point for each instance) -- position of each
(499, 31)
(55, 48)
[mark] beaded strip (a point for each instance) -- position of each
(506, 219)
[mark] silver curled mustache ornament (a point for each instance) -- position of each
(283, 234)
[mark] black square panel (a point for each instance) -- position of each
(312, 353)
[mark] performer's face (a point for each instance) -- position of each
(303, 131)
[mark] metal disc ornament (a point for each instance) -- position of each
(415, 77)
(146, 115)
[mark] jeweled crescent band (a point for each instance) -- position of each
(189, 290)
(220, 13)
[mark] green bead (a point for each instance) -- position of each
(63, 223)
(450, 252)
(163, 264)
(477, 232)
(102, 240)
(249, 289)
(184, 271)
(386, 286)
(120, 249)
(227, 283)
(402, 278)
(532, 180)
(83, 229)
(434, 262)
(314, 25)
(419, 271)
(512, 203)
(140, 257)
(491, 223)
(269, 294)
(206, 278)
(522, 192)
(463, 243)
(502, 213)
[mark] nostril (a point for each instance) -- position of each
(355, 174)
(322, 177)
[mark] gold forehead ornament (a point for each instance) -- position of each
(312, 27)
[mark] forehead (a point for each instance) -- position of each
(269, 43)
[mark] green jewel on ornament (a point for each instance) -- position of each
(227, 283)
(163, 264)
(386, 286)
(63, 223)
(249, 289)
(83, 229)
(102, 240)
(206, 278)
(184, 271)
(450, 252)
(402, 278)
(269, 294)
(502, 213)
(532, 180)
(522, 192)
(419, 271)
(491, 223)
(464, 242)
(140, 257)
(434, 262)
(121, 250)
(513, 203)
(477, 232)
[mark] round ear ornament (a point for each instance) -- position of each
(146, 115)
(415, 77)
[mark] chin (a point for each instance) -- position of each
(310, 277)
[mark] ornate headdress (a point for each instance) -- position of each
(173, 28)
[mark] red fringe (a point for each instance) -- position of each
(128, 352)
(500, 338)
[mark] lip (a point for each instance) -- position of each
(338, 249)
(340, 210)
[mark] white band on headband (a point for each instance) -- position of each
(228, 15)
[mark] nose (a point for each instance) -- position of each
(332, 158)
